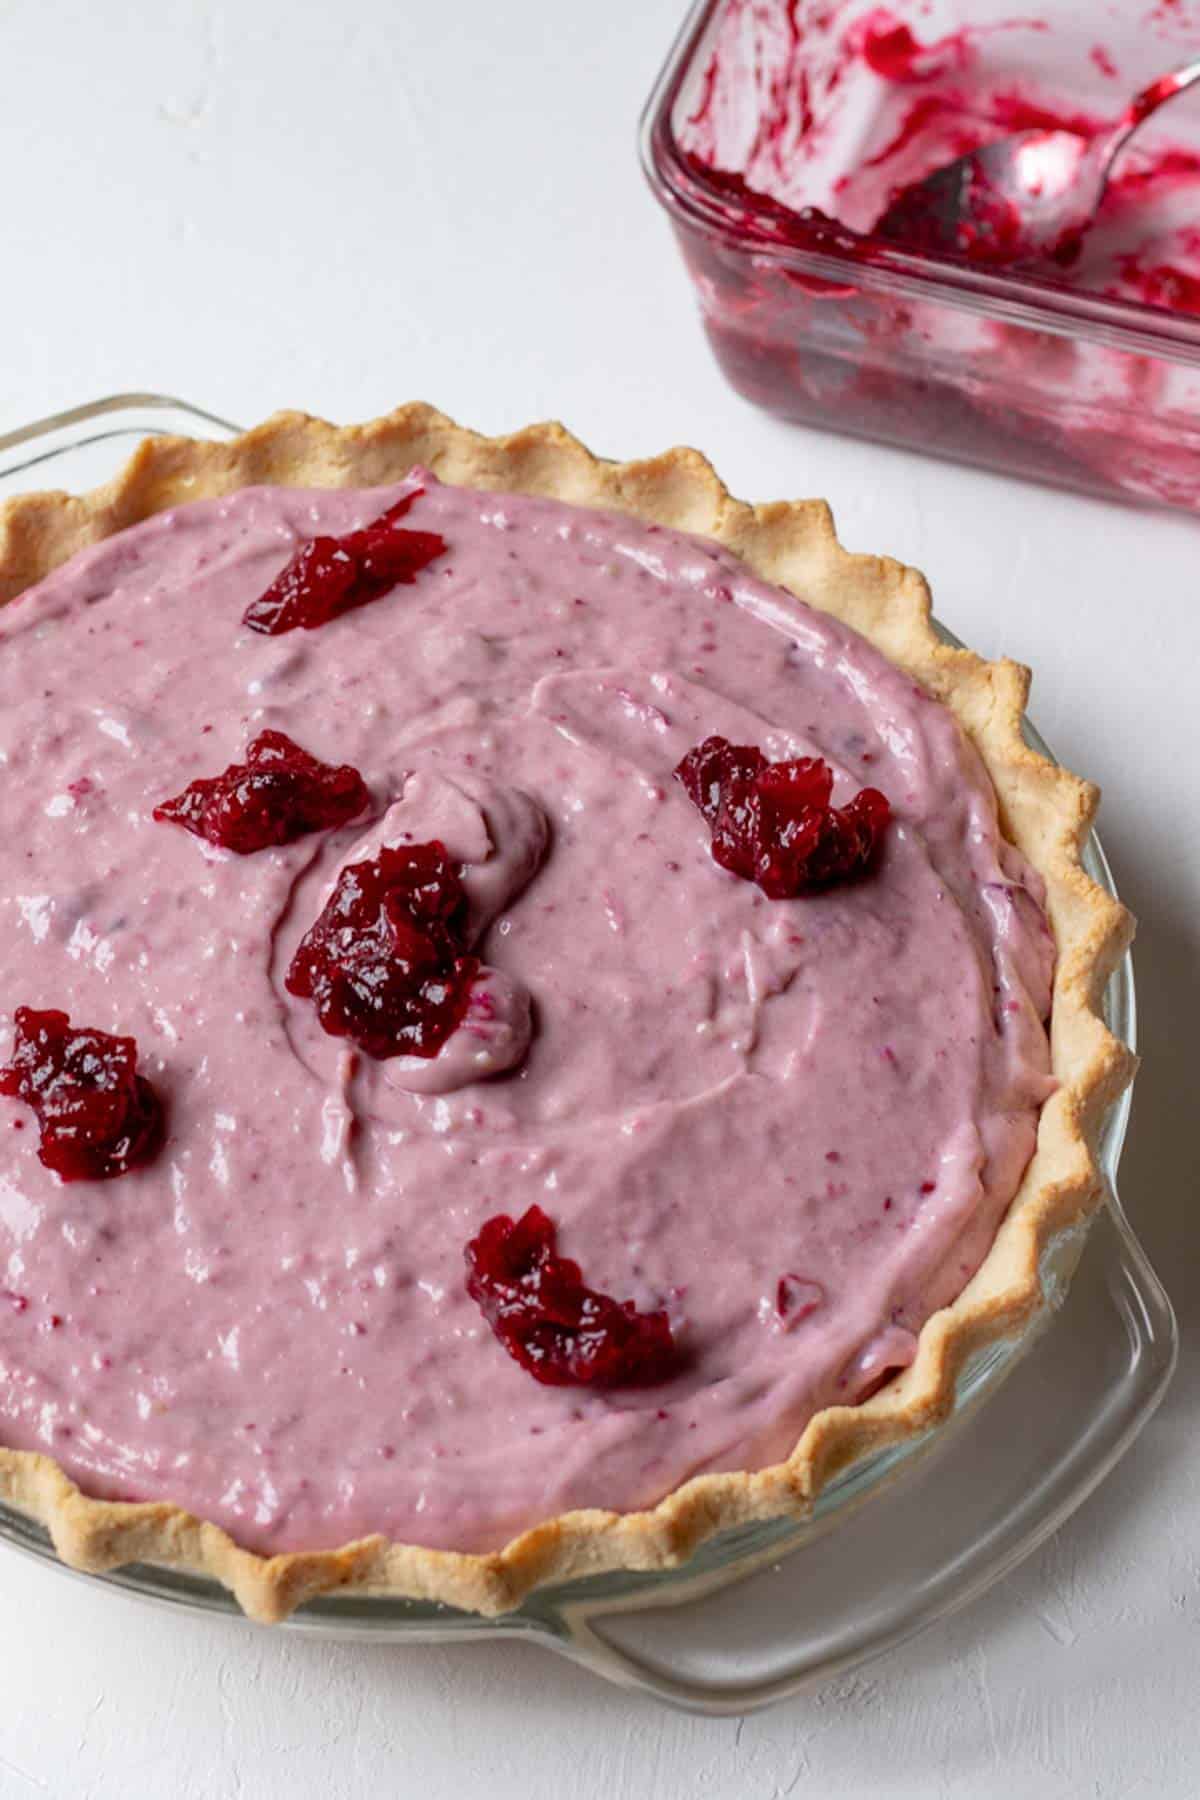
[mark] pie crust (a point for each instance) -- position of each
(1044, 810)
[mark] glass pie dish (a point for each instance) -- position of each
(1011, 1486)
(763, 111)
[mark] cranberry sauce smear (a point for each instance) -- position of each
(98, 1116)
(278, 794)
(385, 964)
(330, 576)
(775, 823)
(563, 1333)
(766, 134)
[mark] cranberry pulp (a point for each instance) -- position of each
(987, 226)
(790, 159)
(329, 576)
(278, 794)
(98, 1117)
(775, 823)
(385, 964)
(563, 1333)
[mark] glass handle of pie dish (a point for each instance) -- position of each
(114, 415)
(776, 1630)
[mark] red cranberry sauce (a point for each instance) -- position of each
(774, 823)
(385, 964)
(98, 1116)
(563, 1333)
(278, 794)
(329, 576)
(989, 226)
(889, 47)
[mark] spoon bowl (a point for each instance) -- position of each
(1026, 198)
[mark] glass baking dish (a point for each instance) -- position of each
(735, 1628)
(840, 330)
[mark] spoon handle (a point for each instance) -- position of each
(1142, 106)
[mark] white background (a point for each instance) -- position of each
(339, 207)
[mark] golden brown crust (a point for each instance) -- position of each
(1046, 811)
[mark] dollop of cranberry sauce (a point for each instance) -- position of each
(278, 794)
(775, 824)
(563, 1333)
(329, 576)
(385, 964)
(98, 1116)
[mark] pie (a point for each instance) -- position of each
(543, 1012)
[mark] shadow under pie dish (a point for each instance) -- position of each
(775, 1135)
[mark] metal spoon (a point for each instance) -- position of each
(1026, 197)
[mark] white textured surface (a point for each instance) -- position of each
(339, 208)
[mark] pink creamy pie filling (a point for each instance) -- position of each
(793, 1125)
